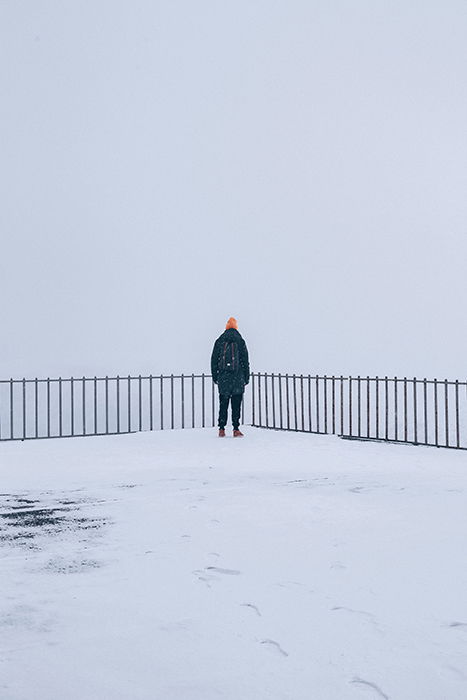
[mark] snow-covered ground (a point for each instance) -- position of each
(177, 566)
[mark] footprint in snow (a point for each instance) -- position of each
(251, 606)
(274, 646)
(219, 570)
(370, 684)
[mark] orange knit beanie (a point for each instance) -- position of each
(231, 323)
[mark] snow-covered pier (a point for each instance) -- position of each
(176, 566)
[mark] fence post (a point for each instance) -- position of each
(202, 400)
(151, 404)
(368, 406)
(333, 388)
(377, 407)
(325, 404)
(266, 398)
(294, 387)
(140, 405)
(83, 407)
(24, 408)
(415, 417)
(60, 408)
(36, 406)
(446, 415)
(95, 405)
(425, 411)
(302, 406)
(273, 401)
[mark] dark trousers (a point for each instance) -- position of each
(236, 401)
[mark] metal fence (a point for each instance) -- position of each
(421, 412)
(417, 411)
(46, 408)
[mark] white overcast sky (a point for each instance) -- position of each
(299, 164)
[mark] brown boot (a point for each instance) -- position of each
(237, 433)
(221, 432)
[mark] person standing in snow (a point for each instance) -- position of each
(230, 369)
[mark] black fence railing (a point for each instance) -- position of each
(71, 407)
(417, 411)
(421, 412)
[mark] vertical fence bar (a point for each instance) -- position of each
(83, 407)
(212, 403)
(95, 405)
(294, 387)
(266, 402)
(151, 404)
(368, 406)
(435, 398)
(302, 405)
(129, 403)
(106, 386)
(72, 407)
(425, 411)
(386, 407)
(359, 409)
(259, 400)
(287, 400)
(171, 401)
(350, 405)
(325, 404)
(253, 415)
(405, 410)
(317, 403)
(396, 430)
(377, 407)
(446, 409)
(12, 419)
(36, 407)
(273, 390)
(202, 401)
(182, 378)
(192, 400)
(162, 402)
(60, 407)
(333, 390)
(415, 416)
(48, 406)
(24, 408)
(140, 404)
(342, 404)
(280, 400)
(118, 402)
(309, 404)
(457, 414)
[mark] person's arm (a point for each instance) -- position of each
(245, 363)
(215, 361)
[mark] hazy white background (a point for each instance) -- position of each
(300, 164)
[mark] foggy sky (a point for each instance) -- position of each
(299, 164)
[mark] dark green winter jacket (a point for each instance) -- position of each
(230, 383)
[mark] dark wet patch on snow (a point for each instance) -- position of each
(31, 523)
